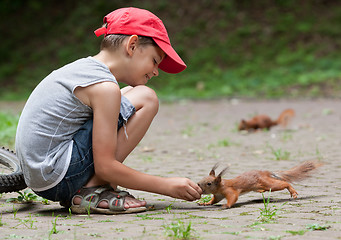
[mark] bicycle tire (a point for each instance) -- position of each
(13, 179)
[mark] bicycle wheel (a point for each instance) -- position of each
(11, 176)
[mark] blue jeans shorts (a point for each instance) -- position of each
(81, 167)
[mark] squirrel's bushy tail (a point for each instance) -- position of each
(299, 172)
(285, 117)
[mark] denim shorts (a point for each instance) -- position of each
(81, 167)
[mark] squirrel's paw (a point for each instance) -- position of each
(294, 195)
(204, 203)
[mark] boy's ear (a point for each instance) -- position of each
(132, 44)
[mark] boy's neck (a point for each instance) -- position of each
(112, 61)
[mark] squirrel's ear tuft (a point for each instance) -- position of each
(212, 172)
(223, 172)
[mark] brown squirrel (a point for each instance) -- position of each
(255, 180)
(264, 121)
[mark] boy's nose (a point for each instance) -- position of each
(156, 72)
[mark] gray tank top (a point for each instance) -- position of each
(50, 118)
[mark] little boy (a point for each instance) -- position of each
(78, 127)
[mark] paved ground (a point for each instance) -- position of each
(187, 139)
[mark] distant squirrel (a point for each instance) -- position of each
(264, 121)
(255, 180)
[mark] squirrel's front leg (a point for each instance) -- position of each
(231, 197)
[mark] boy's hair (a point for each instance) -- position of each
(113, 41)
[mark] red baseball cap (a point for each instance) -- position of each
(135, 21)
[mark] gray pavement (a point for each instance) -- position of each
(186, 139)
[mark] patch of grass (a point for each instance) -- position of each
(149, 216)
(54, 226)
(179, 230)
(8, 128)
(310, 227)
(1, 223)
(280, 154)
(27, 196)
(268, 213)
(27, 222)
(299, 232)
(317, 227)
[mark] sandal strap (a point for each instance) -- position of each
(92, 196)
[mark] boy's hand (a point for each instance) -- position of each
(183, 188)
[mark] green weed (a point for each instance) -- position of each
(26, 197)
(310, 227)
(15, 211)
(280, 154)
(205, 198)
(1, 224)
(54, 226)
(8, 128)
(316, 226)
(26, 222)
(179, 230)
(299, 232)
(268, 213)
(149, 216)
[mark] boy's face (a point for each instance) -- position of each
(144, 65)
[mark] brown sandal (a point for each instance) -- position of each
(92, 196)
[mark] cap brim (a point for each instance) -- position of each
(172, 63)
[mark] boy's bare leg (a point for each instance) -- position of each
(146, 103)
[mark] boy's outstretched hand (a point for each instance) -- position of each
(183, 188)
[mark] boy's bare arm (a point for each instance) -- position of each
(104, 99)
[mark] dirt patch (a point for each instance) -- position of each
(187, 139)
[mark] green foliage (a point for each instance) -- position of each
(232, 48)
(179, 230)
(280, 154)
(268, 213)
(27, 196)
(310, 227)
(205, 198)
(54, 226)
(317, 227)
(8, 127)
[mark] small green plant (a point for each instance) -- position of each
(149, 216)
(316, 226)
(179, 230)
(54, 226)
(1, 224)
(26, 222)
(299, 232)
(205, 198)
(268, 213)
(15, 211)
(224, 143)
(169, 208)
(318, 154)
(26, 197)
(279, 154)
(310, 227)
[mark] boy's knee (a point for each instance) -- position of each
(144, 97)
(150, 98)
